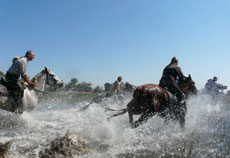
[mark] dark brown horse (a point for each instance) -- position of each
(151, 99)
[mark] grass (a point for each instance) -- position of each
(70, 97)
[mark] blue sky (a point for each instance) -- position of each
(98, 40)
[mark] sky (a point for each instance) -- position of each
(98, 40)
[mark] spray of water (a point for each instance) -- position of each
(206, 131)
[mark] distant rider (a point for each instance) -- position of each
(207, 85)
(172, 75)
(117, 84)
(116, 87)
(213, 87)
(17, 69)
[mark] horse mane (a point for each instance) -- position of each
(36, 77)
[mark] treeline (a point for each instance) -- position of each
(1, 73)
(74, 85)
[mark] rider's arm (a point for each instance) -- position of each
(25, 77)
(181, 75)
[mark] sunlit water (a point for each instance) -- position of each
(206, 133)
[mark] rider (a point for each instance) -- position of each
(207, 85)
(172, 75)
(117, 84)
(116, 87)
(17, 69)
(213, 87)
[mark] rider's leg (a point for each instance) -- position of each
(15, 93)
(18, 99)
(15, 98)
(177, 91)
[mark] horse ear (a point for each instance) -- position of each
(189, 76)
(45, 68)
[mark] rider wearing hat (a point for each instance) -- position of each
(17, 69)
(172, 75)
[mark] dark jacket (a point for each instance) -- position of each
(172, 73)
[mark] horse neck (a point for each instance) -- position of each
(184, 88)
(41, 81)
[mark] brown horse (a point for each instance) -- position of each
(151, 99)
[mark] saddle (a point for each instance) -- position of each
(172, 97)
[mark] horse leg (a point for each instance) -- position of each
(183, 111)
(131, 110)
(144, 118)
(130, 117)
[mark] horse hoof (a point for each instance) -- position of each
(134, 125)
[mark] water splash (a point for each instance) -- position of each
(206, 133)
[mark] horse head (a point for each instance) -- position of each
(188, 86)
(52, 79)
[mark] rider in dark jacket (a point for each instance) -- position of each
(172, 75)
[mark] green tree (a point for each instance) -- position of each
(84, 87)
(1, 73)
(108, 86)
(72, 85)
(98, 89)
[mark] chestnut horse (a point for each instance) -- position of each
(151, 99)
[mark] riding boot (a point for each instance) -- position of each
(180, 97)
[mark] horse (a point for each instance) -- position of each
(31, 95)
(126, 89)
(151, 99)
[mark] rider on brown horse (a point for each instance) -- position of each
(169, 80)
(151, 99)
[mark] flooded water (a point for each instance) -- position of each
(206, 133)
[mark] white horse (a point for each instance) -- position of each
(30, 97)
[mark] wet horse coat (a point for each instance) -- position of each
(150, 99)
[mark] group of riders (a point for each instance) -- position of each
(172, 76)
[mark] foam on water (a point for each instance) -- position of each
(204, 123)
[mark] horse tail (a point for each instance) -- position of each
(119, 112)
